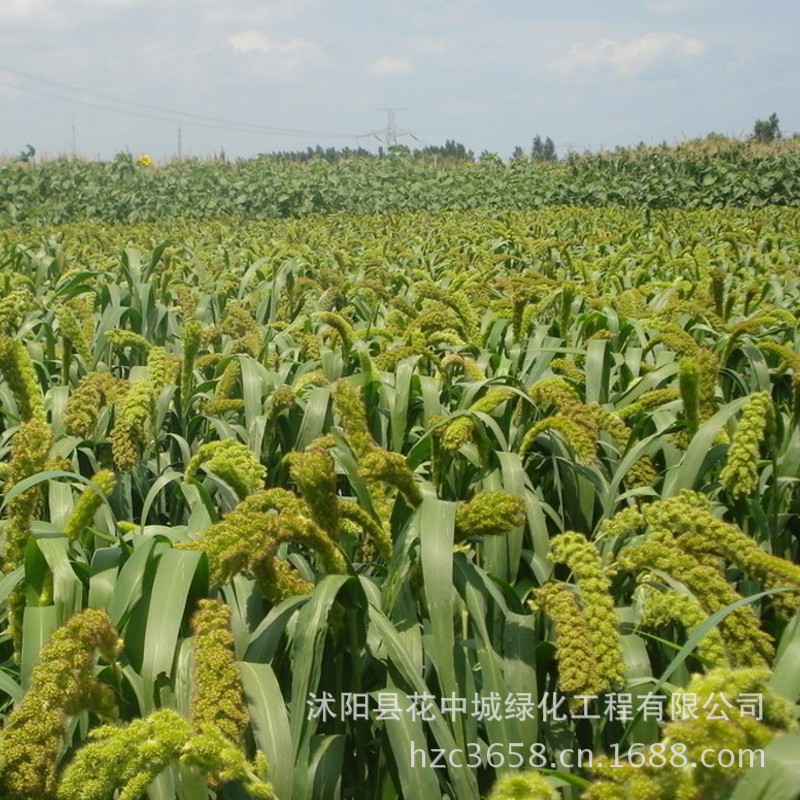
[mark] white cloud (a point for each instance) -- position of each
(245, 41)
(22, 11)
(213, 14)
(287, 57)
(632, 58)
(63, 15)
(389, 67)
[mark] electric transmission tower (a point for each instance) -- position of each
(388, 135)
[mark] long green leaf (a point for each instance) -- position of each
(777, 779)
(412, 757)
(325, 767)
(700, 454)
(38, 623)
(67, 588)
(173, 581)
(10, 687)
(696, 637)
(129, 584)
(270, 724)
(307, 652)
(436, 533)
(785, 678)
(10, 581)
(402, 398)
(463, 781)
(40, 477)
(104, 572)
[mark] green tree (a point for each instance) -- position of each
(543, 150)
(767, 130)
(451, 150)
(27, 154)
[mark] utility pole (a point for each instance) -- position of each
(180, 137)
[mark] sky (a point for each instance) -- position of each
(242, 77)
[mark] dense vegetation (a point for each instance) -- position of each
(714, 175)
(450, 151)
(276, 490)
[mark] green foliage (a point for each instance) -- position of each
(358, 459)
(653, 776)
(715, 174)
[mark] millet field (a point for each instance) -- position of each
(389, 479)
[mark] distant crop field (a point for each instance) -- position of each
(431, 503)
(703, 175)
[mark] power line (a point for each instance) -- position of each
(160, 113)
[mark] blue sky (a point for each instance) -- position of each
(250, 76)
